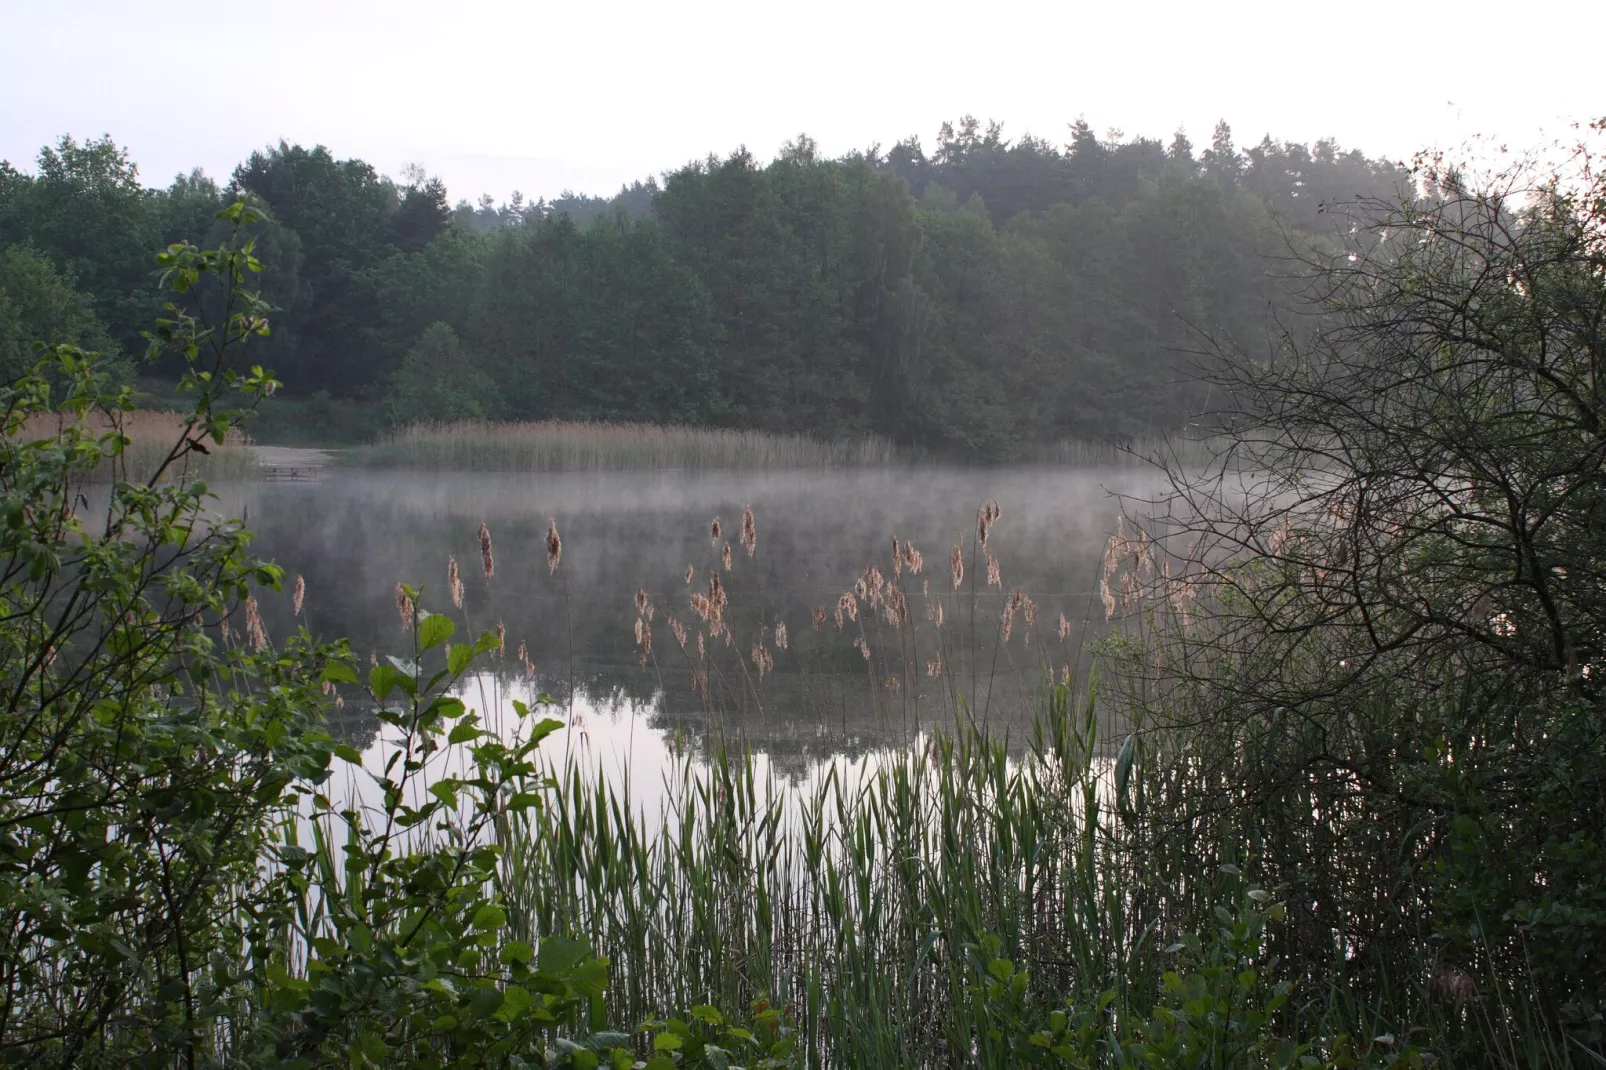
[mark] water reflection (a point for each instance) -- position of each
(355, 533)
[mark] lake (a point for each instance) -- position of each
(353, 533)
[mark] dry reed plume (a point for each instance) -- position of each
(554, 547)
(487, 558)
(454, 581)
(151, 435)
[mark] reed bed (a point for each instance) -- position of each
(857, 899)
(557, 446)
(1186, 451)
(152, 435)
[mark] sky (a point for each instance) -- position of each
(498, 95)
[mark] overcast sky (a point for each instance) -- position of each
(497, 95)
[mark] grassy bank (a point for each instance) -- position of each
(553, 446)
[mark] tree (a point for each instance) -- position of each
(437, 381)
(1387, 600)
(86, 210)
(37, 305)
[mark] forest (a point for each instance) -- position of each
(980, 300)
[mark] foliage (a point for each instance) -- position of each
(1376, 639)
(437, 381)
(38, 303)
(981, 302)
(161, 760)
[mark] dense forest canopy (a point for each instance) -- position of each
(976, 299)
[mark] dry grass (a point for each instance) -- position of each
(151, 435)
(552, 445)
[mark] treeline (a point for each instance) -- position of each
(977, 299)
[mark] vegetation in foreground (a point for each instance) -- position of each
(1355, 818)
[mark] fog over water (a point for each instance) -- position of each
(354, 534)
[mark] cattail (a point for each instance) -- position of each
(763, 660)
(300, 595)
(893, 685)
(897, 557)
(780, 635)
(691, 573)
(223, 629)
(644, 640)
(679, 631)
(702, 650)
(1065, 628)
(641, 600)
(956, 563)
(524, 659)
(995, 575)
(934, 613)
(1006, 622)
(554, 547)
(254, 632)
(864, 647)
(715, 532)
(934, 666)
(701, 606)
(404, 606)
(373, 658)
(487, 560)
(716, 597)
(912, 559)
(501, 639)
(985, 519)
(749, 532)
(819, 617)
(1107, 596)
(725, 555)
(454, 581)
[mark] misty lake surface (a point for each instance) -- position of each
(353, 533)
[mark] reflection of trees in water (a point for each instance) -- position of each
(355, 534)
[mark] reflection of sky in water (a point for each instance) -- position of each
(356, 533)
(609, 742)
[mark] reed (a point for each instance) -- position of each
(552, 445)
(856, 898)
(152, 435)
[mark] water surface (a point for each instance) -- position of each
(354, 533)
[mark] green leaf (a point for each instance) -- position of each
(338, 672)
(517, 951)
(434, 629)
(490, 916)
(485, 1001)
(382, 680)
(558, 954)
(349, 753)
(459, 658)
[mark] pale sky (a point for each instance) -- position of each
(497, 95)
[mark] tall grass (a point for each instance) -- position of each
(152, 435)
(857, 898)
(551, 445)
